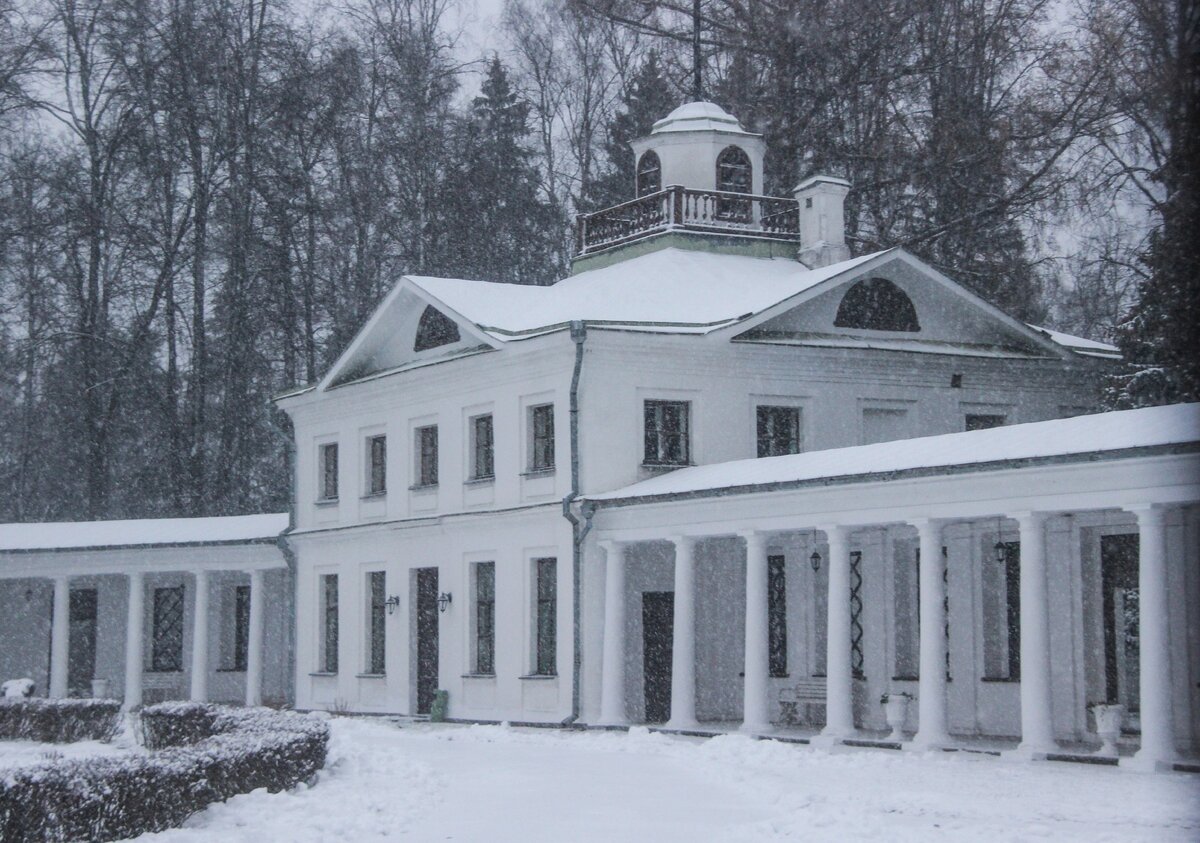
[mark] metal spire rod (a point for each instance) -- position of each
(697, 80)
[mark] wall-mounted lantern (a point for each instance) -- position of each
(444, 600)
(815, 561)
(392, 603)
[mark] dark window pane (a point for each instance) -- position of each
(427, 464)
(778, 431)
(777, 614)
(378, 483)
(877, 304)
(330, 596)
(649, 174)
(666, 432)
(485, 617)
(1012, 606)
(435, 329)
(547, 616)
(542, 456)
(166, 652)
(329, 471)
(981, 421)
(378, 626)
(241, 626)
(483, 462)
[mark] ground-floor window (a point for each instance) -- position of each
(485, 617)
(546, 655)
(241, 626)
(377, 630)
(329, 623)
(777, 614)
(166, 648)
(1002, 611)
(906, 628)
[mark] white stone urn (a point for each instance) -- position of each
(1108, 726)
(895, 708)
(100, 689)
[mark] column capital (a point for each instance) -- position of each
(1029, 516)
(830, 530)
(610, 545)
(682, 540)
(928, 522)
(755, 535)
(1147, 512)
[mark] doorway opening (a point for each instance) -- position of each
(81, 642)
(1119, 582)
(658, 613)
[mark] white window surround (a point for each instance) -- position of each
(529, 557)
(470, 416)
(695, 424)
(413, 449)
(528, 403)
(318, 628)
(318, 472)
(365, 572)
(906, 424)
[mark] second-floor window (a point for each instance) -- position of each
(377, 465)
(427, 455)
(778, 431)
(667, 433)
(541, 425)
(483, 465)
(329, 471)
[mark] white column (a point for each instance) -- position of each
(683, 637)
(755, 716)
(60, 636)
(1037, 726)
(254, 641)
(839, 699)
(134, 641)
(200, 638)
(612, 678)
(932, 731)
(1154, 688)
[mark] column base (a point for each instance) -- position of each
(829, 739)
(932, 743)
(1145, 763)
(1030, 752)
(754, 728)
(682, 725)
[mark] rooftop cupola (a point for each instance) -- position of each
(702, 147)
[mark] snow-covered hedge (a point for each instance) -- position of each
(58, 721)
(235, 751)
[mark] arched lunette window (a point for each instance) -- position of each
(435, 329)
(876, 304)
(649, 174)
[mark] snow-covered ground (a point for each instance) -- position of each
(24, 753)
(426, 782)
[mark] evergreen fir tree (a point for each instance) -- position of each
(649, 98)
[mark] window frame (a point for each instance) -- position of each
(425, 464)
(777, 649)
(541, 456)
(329, 633)
(797, 419)
(483, 618)
(375, 465)
(240, 657)
(684, 433)
(482, 429)
(545, 616)
(327, 472)
(376, 623)
(643, 172)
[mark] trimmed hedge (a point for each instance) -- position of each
(58, 721)
(110, 798)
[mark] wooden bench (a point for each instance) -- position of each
(803, 692)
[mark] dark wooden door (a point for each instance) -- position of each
(658, 611)
(427, 638)
(81, 642)
(1119, 578)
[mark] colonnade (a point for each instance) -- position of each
(1037, 735)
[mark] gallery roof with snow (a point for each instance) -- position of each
(724, 476)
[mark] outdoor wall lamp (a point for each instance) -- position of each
(392, 603)
(815, 561)
(444, 600)
(999, 548)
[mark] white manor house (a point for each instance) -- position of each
(723, 477)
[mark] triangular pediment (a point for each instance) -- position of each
(898, 302)
(408, 328)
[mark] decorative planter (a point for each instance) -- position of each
(1108, 726)
(100, 689)
(895, 708)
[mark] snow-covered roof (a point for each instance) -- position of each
(72, 535)
(1091, 348)
(1177, 424)
(668, 290)
(699, 117)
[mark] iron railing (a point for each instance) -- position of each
(679, 207)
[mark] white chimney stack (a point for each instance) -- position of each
(822, 202)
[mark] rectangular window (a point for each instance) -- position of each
(982, 421)
(483, 465)
(884, 425)
(427, 455)
(329, 621)
(376, 608)
(485, 617)
(777, 614)
(541, 423)
(666, 429)
(1012, 607)
(241, 626)
(907, 631)
(329, 471)
(546, 571)
(166, 652)
(778, 431)
(377, 465)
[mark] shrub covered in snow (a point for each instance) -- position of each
(58, 721)
(17, 688)
(216, 753)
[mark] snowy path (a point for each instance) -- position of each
(430, 783)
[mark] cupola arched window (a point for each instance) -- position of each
(877, 304)
(649, 174)
(734, 173)
(435, 329)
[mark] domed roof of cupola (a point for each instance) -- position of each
(699, 117)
